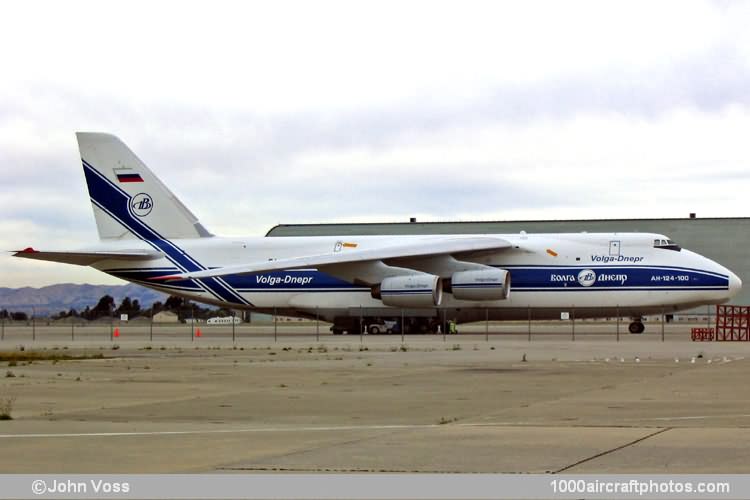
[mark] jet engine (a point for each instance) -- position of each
(415, 290)
(489, 284)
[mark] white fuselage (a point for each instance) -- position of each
(603, 274)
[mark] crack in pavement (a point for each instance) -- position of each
(618, 448)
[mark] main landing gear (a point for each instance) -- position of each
(636, 326)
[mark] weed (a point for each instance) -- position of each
(403, 348)
(6, 407)
(115, 347)
(456, 347)
(444, 420)
(9, 374)
(12, 363)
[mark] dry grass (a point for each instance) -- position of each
(18, 356)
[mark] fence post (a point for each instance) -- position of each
(33, 324)
(275, 326)
(445, 324)
(618, 323)
(573, 323)
(662, 323)
(486, 324)
(151, 325)
(402, 326)
(528, 308)
(233, 332)
(317, 324)
(192, 323)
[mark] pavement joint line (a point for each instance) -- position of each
(335, 470)
(226, 431)
(697, 417)
(618, 448)
(329, 445)
(304, 429)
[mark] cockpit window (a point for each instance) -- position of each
(667, 245)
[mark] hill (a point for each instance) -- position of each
(55, 298)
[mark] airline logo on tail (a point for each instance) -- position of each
(141, 204)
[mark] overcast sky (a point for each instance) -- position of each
(278, 112)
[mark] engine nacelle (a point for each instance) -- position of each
(414, 290)
(489, 284)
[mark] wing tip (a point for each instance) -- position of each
(25, 251)
(169, 277)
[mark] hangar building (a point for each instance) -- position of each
(725, 240)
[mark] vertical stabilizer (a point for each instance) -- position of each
(129, 201)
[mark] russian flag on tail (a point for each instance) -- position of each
(127, 175)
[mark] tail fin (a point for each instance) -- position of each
(129, 201)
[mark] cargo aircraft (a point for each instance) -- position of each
(148, 237)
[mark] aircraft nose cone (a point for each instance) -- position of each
(735, 284)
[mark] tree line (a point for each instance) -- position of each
(106, 308)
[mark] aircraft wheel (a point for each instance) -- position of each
(636, 327)
(374, 330)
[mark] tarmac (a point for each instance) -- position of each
(487, 400)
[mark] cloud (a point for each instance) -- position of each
(253, 116)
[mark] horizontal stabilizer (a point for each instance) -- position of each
(86, 258)
(421, 248)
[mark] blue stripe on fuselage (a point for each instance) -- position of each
(531, 279)
(615, 277)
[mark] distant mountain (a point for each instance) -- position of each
(55, 298)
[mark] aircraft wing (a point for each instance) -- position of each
(423, 248)
(85, 258)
